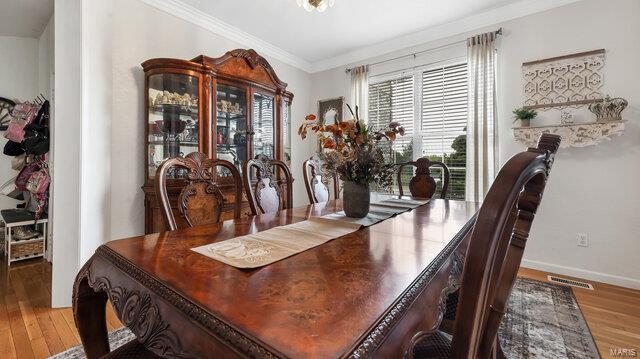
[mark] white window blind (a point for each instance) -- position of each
(444, 121)
(393, 100)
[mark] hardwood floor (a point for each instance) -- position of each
(29, 328)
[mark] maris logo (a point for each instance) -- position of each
(623, 352)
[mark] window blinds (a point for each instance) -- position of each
(444, 121)
(393, 100)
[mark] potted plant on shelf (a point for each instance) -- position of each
(525, 115)
(355, 154)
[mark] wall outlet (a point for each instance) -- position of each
(582, 240)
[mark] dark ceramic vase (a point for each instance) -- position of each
(356, 198)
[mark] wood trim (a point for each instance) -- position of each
(568, 103)
(564, 57)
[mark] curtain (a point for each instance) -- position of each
(482, 112)
(360, 90)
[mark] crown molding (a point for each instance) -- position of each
(438, 32)
(197, 17)
(458, 27)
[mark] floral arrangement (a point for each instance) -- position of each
(355, 151)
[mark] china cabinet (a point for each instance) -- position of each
(231, 107)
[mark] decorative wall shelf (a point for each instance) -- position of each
(573, 135)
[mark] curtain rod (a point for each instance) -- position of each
(497, 32)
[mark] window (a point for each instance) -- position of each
(434, 115)
(444, 122)
(393, 101)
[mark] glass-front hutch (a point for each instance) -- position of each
(232, 107)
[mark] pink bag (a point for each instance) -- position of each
(39, 181)
(25, 111)
(15, 130)
(25, 174)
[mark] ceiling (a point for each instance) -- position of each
(24, 18)
(349, 25)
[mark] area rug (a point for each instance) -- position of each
(542, 321)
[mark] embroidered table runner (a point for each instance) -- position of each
(262, 248)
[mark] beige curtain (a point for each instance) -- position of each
(481, 122)
(360, 90)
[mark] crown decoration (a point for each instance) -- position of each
(609, 109)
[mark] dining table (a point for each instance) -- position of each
(365, 294)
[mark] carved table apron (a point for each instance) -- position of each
(392, 279)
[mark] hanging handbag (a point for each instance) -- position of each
(15, 131)
(36, 142)
(18, 162)
(25, 174)
(13, 148)
(25, 111)
(38, 182)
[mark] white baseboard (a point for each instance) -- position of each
(583, 274)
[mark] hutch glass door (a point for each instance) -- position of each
(286, 131)
(263, 121)
(173, 119)
(231, 126)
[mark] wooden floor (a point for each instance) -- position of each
(29, 328)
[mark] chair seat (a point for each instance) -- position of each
(132, 350)
(434, 346)
(452, 305)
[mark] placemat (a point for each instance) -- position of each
(263, 248)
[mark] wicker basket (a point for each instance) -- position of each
(21, 250)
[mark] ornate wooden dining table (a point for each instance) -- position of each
(361, 295)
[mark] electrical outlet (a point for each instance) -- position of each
(582, 240)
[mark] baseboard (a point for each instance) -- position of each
(583, 274)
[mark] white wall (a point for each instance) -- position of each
(592, 190)
(66, 150)
(18, 80)
(140, 33)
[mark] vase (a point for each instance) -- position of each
(356, 198)
(525, 122)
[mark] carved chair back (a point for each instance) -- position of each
(318, 186)
(496, 247)
(422, 184)
(200, 201)
(267, 194)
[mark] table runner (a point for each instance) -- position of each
(266, 247)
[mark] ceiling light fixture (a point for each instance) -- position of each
(320, 5)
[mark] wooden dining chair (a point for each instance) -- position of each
(493, 258)
(317, 185)
(265, 192)
(422, 184)
(200, 201)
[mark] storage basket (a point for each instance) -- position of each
(21, 250)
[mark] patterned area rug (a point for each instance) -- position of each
(542, 321)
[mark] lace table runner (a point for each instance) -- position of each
(263, 248)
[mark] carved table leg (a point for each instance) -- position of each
(89, 310)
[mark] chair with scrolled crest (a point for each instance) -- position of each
(422, 184)
(270, 191)
(200, 201)
(316, 184)
(493, 257)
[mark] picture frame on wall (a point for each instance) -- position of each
(330, 110)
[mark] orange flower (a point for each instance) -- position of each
(329, 144)
(343, 125)
(331, 128)
(391, 135)
(310, 117)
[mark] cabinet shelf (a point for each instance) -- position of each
(573, 135)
